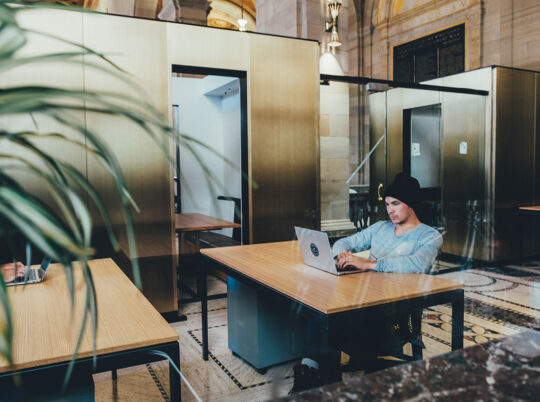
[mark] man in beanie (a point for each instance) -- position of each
(403, 244)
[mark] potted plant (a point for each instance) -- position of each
(63, 231)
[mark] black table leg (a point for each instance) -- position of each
(198, 262)
(204, 307)
(521, 225)
(174, 377)
(458, 316)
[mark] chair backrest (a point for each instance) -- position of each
(237, 232)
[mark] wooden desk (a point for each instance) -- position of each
(330, 300)
(129, 328)
(195, 223)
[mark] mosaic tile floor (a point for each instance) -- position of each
(499, 301)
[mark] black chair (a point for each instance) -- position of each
(359, 210)
(211, 240)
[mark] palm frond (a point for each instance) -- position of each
(63, 230)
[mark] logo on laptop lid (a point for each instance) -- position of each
(314, 249)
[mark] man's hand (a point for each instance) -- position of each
(343, 254)
(347, 259)
(12, 270)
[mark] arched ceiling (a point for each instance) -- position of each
(226, 13)
(388, 9)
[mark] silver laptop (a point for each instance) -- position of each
(33, 275)
(317, 252)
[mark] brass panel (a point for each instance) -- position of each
(139, 47)
(59, 23)
(463, 193)
(203, 47)
(467, 198)
(514, 155)
(284, 136)
(515, 139)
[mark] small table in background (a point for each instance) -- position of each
(195, 223)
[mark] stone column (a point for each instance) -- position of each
(334, 132)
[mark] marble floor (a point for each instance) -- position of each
(499, 301)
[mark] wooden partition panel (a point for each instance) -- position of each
(284, 149)
(138, 47)
(515, 159)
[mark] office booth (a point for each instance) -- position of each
(281, 109)
(475, 158)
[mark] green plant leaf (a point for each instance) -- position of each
(30, 211)
(6, 330)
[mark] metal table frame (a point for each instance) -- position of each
(196, 296)
(109, 362)
(331, 323)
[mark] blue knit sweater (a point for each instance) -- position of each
(412, 252)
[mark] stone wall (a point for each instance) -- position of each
(498, 32)
(511, 33)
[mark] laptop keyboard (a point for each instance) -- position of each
(347, 269)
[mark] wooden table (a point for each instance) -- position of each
(332, 301)
(195, 223)
(129, 328)
(530, 210)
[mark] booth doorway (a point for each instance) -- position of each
(210, 105)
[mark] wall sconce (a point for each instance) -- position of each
(334, 6)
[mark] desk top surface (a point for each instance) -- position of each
(191, 222)
(534, 208)
(280, 266)
(45, 332)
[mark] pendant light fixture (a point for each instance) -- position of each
(242, 22)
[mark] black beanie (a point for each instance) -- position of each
(406, 189)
